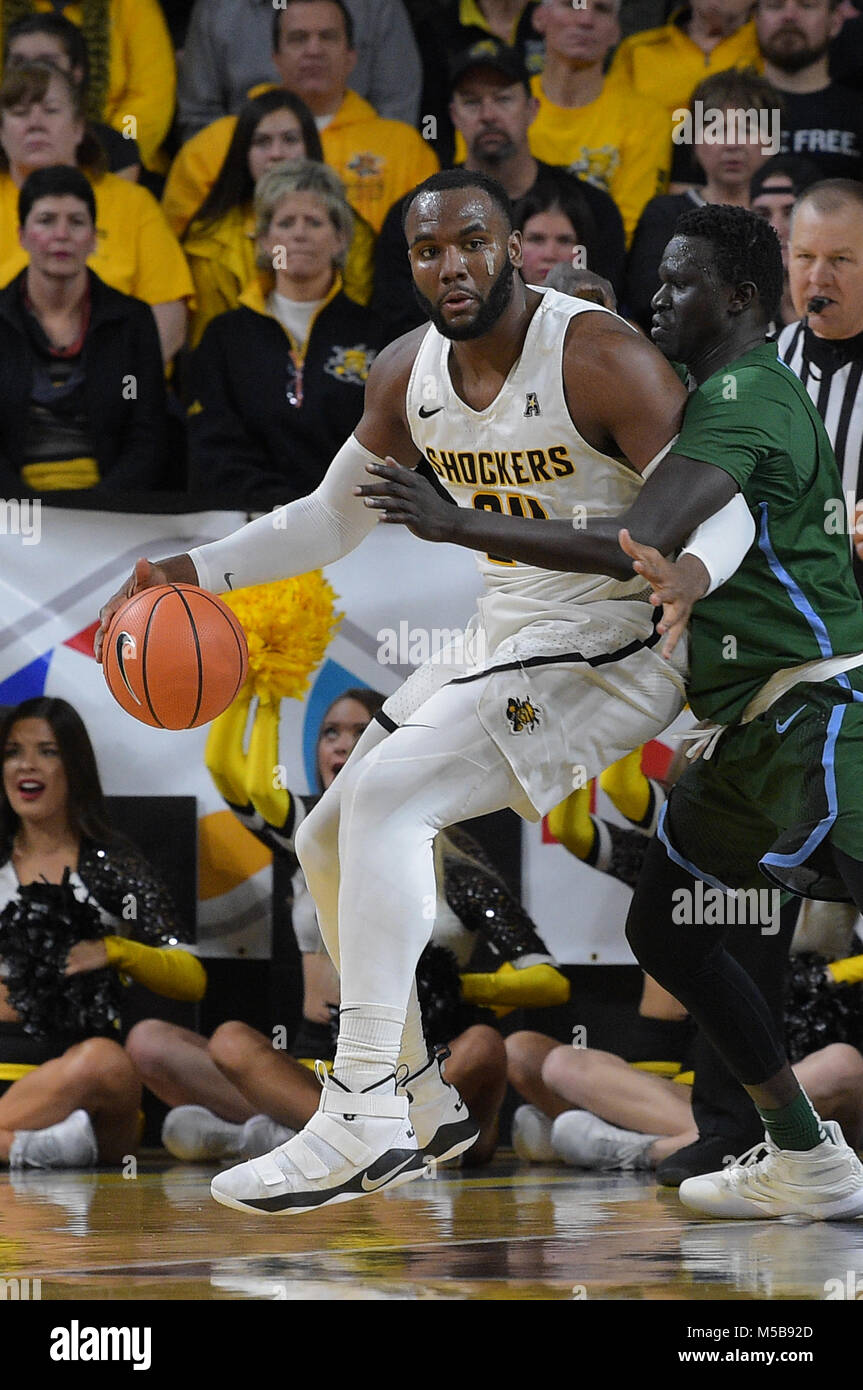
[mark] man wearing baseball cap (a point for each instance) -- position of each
(492, 108)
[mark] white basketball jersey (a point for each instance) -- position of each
(521, 456)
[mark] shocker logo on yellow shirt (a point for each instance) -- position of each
(366, 165)
(598, 166)
(351, 364)
(522, 714)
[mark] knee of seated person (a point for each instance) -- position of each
(521, 1055)
(564, 1065)
(841, 1063)
(149, 1044)
(232, 1044)
(105, 1061)
(481, 1051)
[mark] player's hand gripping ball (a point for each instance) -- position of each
(175, 656)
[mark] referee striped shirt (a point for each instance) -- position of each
(832, 372)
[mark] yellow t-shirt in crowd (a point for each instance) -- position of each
(221, 258)
(666, 66)
(377, 161)
(621, 142)
(470, 14)
(142, 74)
(137, 252)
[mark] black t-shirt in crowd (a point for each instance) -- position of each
(826, 127)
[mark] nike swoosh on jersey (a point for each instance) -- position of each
(424, 414)
(780, 728)
(372, 1186)
(229, 574)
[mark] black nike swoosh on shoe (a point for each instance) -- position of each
(424, 414)
(373, 1184)
(358, 1186)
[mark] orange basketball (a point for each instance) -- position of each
(175, 656)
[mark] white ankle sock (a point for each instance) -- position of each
(370, 1037)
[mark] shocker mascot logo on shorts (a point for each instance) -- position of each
(522, 714)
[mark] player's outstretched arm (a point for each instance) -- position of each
(625, 400)
(312, 531)
(664, 519)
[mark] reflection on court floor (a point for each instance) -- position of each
(509, 1232)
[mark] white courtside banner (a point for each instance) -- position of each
(400, 599)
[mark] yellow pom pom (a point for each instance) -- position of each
(288, 625)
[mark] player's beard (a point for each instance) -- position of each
(489, 312)
(795, 59)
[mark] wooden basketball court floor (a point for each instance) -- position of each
(506, 1232)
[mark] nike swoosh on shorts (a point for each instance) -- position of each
(780, 728)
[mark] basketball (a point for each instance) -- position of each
(175, 656)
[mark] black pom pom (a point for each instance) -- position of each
(439, 992)
(816, 1012)
(37, 930)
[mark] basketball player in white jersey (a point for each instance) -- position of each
(525, 402)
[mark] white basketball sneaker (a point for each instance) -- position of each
(356, 1143)
(69, 1144)
(531, 1135)
(824, 1183)
(585, 1141)
(195, 1135)
(443, 1125)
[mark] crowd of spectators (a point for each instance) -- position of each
(178, 117)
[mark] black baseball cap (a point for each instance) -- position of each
(490, 53)
(800, 173)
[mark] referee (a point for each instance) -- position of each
(824, 348)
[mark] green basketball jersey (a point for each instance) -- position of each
(794, 598)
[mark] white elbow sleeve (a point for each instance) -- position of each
(721, 541)
(304, 535)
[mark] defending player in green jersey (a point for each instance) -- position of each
(773, 654)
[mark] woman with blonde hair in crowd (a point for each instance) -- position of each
(277, 384)
(220, 242)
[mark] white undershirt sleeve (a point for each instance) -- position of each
(721, 541)
(305, 535)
